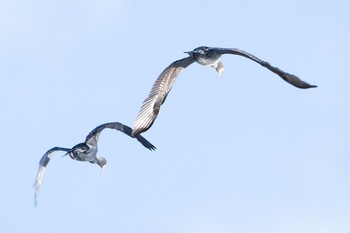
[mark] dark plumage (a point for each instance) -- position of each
(87, 151)
(207, 56)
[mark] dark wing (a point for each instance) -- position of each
(161, 88)
(290, 78)
(122, 128)
(42, 165)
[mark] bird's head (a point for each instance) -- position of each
(199, 50)
(205, 55)
(77, 150)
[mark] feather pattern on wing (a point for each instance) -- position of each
(161, 88)
(42, 166)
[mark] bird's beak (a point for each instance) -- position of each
(189, 53)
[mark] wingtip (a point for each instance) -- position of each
(148, 145)
(296, 81)
(309, 86)
(152, 148)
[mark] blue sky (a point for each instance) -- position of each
(243, 152)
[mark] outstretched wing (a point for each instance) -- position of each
(290, 78)
(42, 165)
(93, 135)
(161, 88)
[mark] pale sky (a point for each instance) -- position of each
(240, 152)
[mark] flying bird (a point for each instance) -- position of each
(86, 151)
(207, 56)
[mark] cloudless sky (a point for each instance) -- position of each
(240, 152)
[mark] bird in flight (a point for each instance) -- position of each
(86, 151)
(207, 56)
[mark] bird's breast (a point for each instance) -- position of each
(207, 59)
